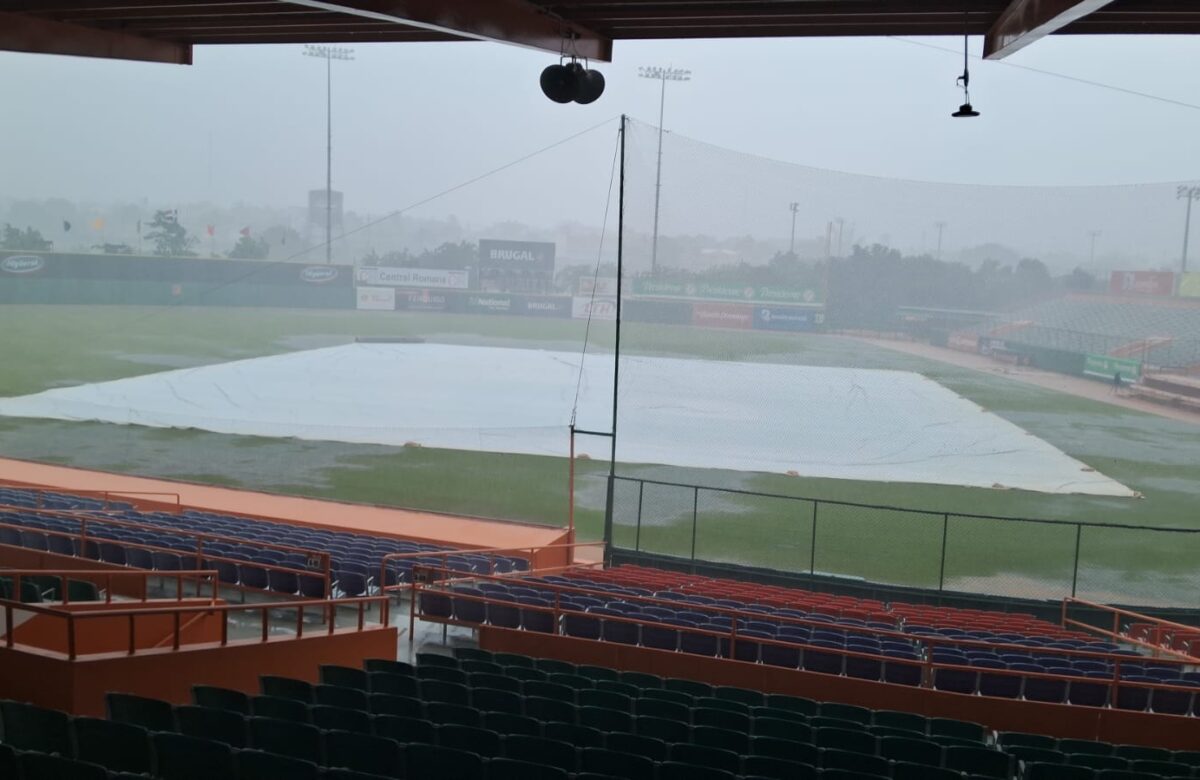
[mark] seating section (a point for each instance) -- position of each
(499, 716)
(169, 542)
(662, 610)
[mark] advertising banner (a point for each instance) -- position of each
(1105, 367)
(516, 255)
(1189, 285)
(535, 306)
(1142, 283)
(438, 278)
(722, 315)
(786, 318)
(602, 287)
(490, 303)
(422, 300)
(649, 310)
(652, 288)
(169, 270)
(376, 298)
(597, 309)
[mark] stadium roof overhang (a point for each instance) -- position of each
(166, 30)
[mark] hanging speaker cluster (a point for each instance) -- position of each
(564, 83)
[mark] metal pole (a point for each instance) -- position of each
(1075, 573)
(328, 160)
(695, 521)
(571, 489)
(812, 545)
(1187, 224)
(612, 459)
(795, 207)
(942, 569)
(662, 101)
(637, 539)
(940, 226)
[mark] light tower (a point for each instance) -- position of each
(794, 207)
(329, 54)
(664, 75)
(1188, 193)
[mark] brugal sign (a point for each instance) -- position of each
(516, 255)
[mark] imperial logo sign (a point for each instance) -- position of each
(22, 264)
(319, 274)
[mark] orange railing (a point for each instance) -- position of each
(728, 640)
(1159, 631)
(328, 608)
(107, 496)
(106, 576)
(527, 553)
(320, 563)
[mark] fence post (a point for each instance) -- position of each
(637, 535)
(942, 566)
(812, 545)
(695, 514)
(1075, 572)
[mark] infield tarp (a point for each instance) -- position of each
(816, 421)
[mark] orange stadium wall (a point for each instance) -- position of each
(1060, 720)
(23, 558)
(111, 635)
(79, 686)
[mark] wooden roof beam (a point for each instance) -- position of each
(1026, 21)
(515, 22)
(21, 32)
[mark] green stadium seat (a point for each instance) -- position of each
(888, 731)
(679, 770)
(782, 729)
(498, 682)
(430, 761)
(823, 722)
(619, 687)
(1007, 739)
(725, 739)
(473, 654)
(605, 719)
(1125, 774)
(550, 709)
(1160, 768)
(385, 704)
(641, 679)
(340, 719)
(779, 714)
(340, 696)
(598, 673)
(702, 755)
(119, 747)
(286, 688)
(40, 766)
(609, 762)
(492, 700)
(221, 699)
(507, 723)
(260, 765)
(666, 729)
(436, 659)
(979, 761)
(345, 677)
(912, 751)
(508, 769)
(555, 666)
(605, 699)
(571, 733)
(152, 714)
(441, 673)
(180, 757)
(1035, 755)
(217, 725)
(1141, 753)
(794, 703)
(845, 712)
(712, 702)
(960, 729)
(845, 739)
(394, 684)
(445, 692)
(362, 753)
(1188, 757)
(28, 727)
(388, 666)
(690, 687)
(663, 694)
(849, 774)
(722, 719)
(279, 708)
(8, 761)
(540, 750)
(658, 708)
(1089, 746)
(904, 771)
(744, 695)
(789, 751)
(525, 673)
(776, 769)
(549, 690)
(350, 774)
(651, 748)
(855, 762)
(476, 740)
(453, 714)
(286, 738)
(1097, 762)
(480, 667)
(512, 659)
(404, 729)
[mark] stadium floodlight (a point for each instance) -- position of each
(664, 75)
(329, 54)
(941, 226)
(1189, 194)
(794, 207)
(1093, 235)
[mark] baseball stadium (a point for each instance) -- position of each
(674, 495)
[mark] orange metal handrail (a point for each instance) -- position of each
(64, 575)
(1160, 626)
(443, 554)
(106, 495)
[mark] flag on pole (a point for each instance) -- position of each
(245, 232)
(98, 223)
(211, 229)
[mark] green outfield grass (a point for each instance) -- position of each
(50, 346)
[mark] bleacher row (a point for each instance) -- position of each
(489, 716)
(1052, 669)
(245, 552)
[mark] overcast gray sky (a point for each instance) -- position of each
(246, 124)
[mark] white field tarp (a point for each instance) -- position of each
(847, 423)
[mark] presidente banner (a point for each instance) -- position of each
(1189, 285)
(704, 291)
(437, 278)
(376, 298)
(1142, 283)
(786, 318)
(1105, 367)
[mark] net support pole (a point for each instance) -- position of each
(612, 459)
(571, 489)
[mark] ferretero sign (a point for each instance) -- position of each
(652, 288)
(513, 255)
(439, 278)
